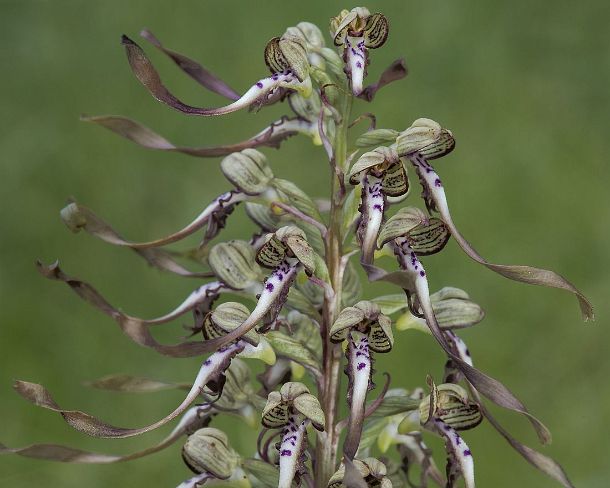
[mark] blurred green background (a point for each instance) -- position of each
(524, 85)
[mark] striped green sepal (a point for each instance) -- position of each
(395, 182)
(429, 239)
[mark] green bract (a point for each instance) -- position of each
(208, 451)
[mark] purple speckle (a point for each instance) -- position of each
(259, 84)
(422, 273)
(207, 362)
(358, 64)
(377, 207)
(269, 287)
(286, 452)
(437, 182)
(361, 366)
(280, 276)
(467, 452)
(467, 352)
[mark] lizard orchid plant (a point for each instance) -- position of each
(303, 314)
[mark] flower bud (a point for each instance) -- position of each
(226, 317)
(233, 262)
(208, 451)
(248, 171)
(308, 33)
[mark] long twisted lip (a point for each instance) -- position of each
(150, 79)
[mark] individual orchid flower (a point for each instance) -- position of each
(366, 330)
(426, 140)
(446, 411)
(285, 56)
(292, 409)
(287, 252)
(357, 31)
(208, 454)
(383, 176)
(411, 234)
(370, 471)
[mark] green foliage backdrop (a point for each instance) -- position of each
(522, 84)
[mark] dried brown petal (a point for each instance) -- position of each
(396, 71)
(210, 370)
(271, 136)
(193, 69)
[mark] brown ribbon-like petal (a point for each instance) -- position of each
(65, 454)
(544, 463)
(526, 274)
(211, 370)
(193, 69)
(396, 71)
(137, 330)
(486, 385)
(147, 75)
(272, 136)
(77, 217)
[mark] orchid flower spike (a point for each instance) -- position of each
(357, 31)
(292, 409)
(366, 330)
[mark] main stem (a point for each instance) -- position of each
(326, 447)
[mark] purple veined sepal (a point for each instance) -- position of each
(372, 208)
(271, 300)
(356, 59)
(459, 456)
(359, 370)
(295, 79)
(291, 450)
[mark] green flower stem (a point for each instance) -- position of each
(326, 447)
